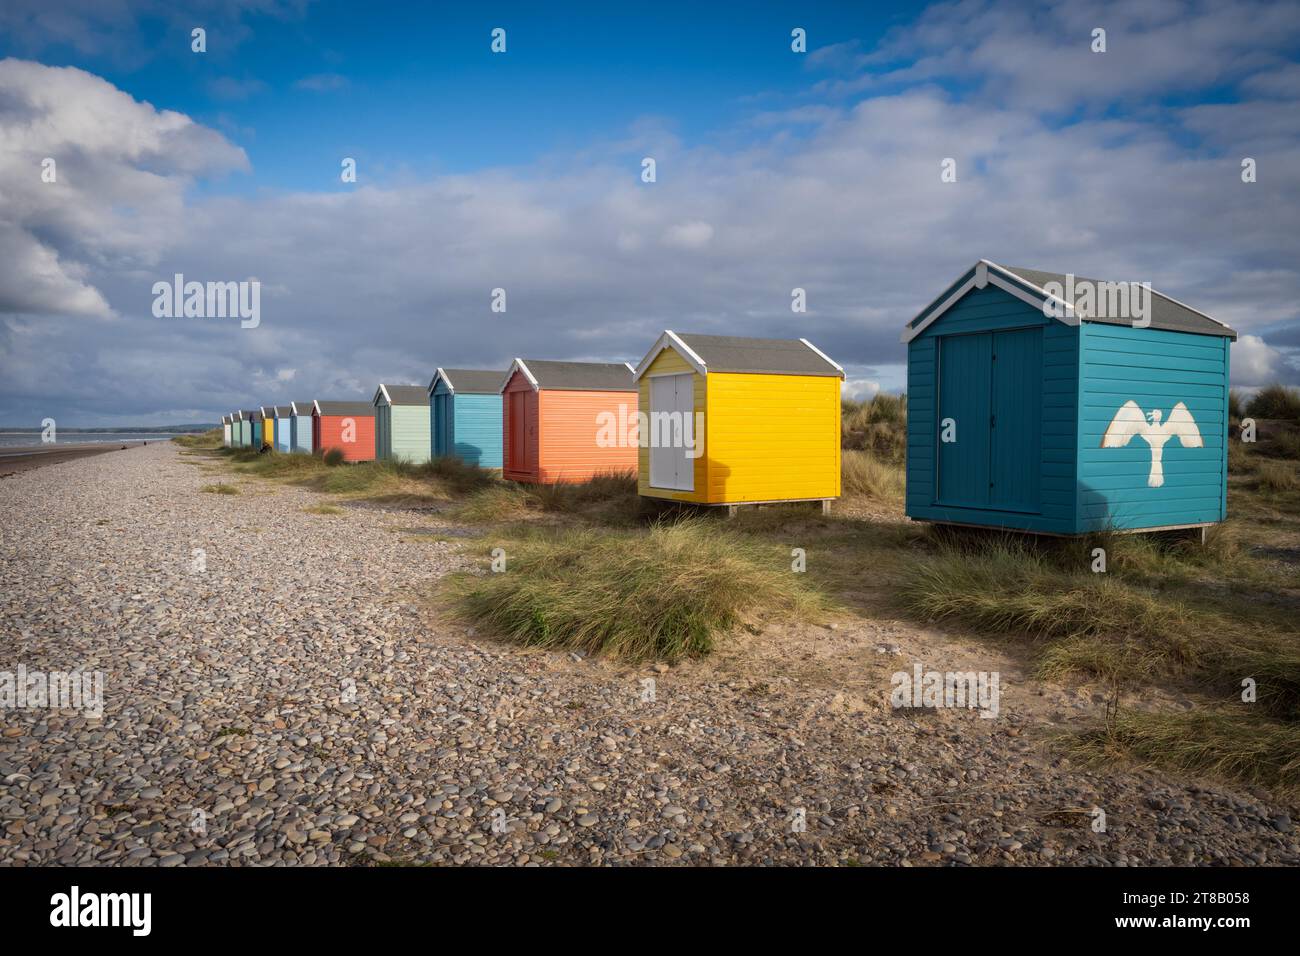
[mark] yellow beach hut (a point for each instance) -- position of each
(730, 420)
(268, 426)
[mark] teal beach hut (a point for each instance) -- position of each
(465, 415)
(300, 427)
(1049, 403)
(255, 416)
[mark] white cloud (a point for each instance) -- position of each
(389, 281)
(1256, 363)
(689, 235)
(859, 389)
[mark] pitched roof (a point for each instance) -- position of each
(401, 395)
(356, 409)
(574, 376)
(301, 408)
(225, 419)
(1029, 285)
(283, 411)
(470, 381)
(1166, 313)
(736, 353)
(255, 415)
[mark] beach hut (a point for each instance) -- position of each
(225, 431)
(242, 429)
(734, 420)
(346, 426)
(401, 423)
(568, 421)
(1048, 403)
(283, 428)
(465, 415)
(268, 426)
(300, 427)
(256, 417)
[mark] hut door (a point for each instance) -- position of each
(965, 368)
(1015, 458)
(990, 387)
(672, 420)
(442, 422)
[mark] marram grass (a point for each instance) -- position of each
(664, 593)
(1228, 742)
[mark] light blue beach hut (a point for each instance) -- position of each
(465, 415)
(300, 427)
(401, 423)
(283, 428)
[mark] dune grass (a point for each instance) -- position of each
(862, 473)
(878, 426)
(212, 438)
(664, 593)
(1227, 742)
(605, 499)
(1275, 401)
(1148, 618)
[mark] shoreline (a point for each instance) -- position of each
(20, 458)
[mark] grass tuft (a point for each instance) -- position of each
(1224, 742)
(862, 473)
(220, 489)
(662, 594)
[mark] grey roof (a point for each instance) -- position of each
(581, 376)
(407, 394)
(736, 353)
(471, 380)
(255, 415)
(247, 414)
(364, 409)
(283, 411)
(301, 408)
(1165, 312)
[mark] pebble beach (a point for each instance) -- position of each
(283, 687)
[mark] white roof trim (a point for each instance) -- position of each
(381, 390)
(518, 363)
(669, 340)
(293, 407)
(263, 408)
(440, 374)
(824, 356)
(315, 407)
(1003, 279)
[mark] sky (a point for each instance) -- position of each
(522, 170)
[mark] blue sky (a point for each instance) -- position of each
(521, 171)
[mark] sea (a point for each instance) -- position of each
(29, 439)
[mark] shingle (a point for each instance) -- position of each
(735, 353)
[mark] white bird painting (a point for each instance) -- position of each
(1130, 421)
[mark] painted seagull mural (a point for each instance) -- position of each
(1130, 421)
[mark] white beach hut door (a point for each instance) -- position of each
(672, 396)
